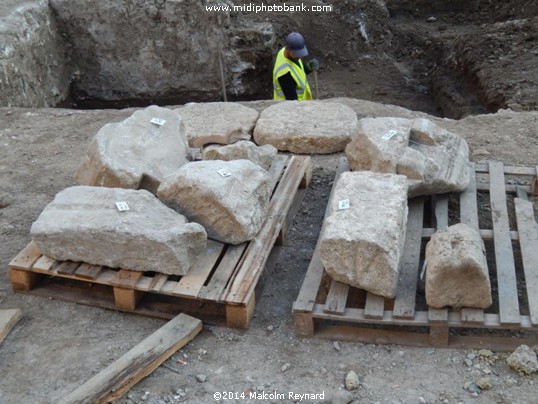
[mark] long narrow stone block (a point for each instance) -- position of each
(229, 198)
(136, 153)
(457, 271)
(84, 224)
(243, 150)
(364, 232)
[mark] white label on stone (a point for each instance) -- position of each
(389, 134)
(343, 204)
(122, 206)
(223, 172)
(158, 121)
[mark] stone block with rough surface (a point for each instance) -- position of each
(229, 198)
(361, 245)
(243, 150)
(135, 153)
(84, 224)
(457, 271)
(217, 122)
(433, 159)
(523, 360)
(309, 127)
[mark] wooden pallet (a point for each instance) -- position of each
(328, 308)
(221, 287)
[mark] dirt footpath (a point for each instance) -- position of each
(57, 346)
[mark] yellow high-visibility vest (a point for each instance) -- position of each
(283, 65)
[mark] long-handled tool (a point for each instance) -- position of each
(316, 94)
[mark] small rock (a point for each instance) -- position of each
(201, 378)
(352, 380)
(473, 388)
(431, 19)
(471, 356)
(523, 360)
(480, 152)
(336, 345)
(270, 328)
(342, 397)
(474, 394)
(485, 353)
(484, 383)
(468, 362)
(285, 367)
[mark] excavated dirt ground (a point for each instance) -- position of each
(57, 345)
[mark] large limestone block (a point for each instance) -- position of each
(457, 270)
(231, 206)
(243, 150)
(217, 122)
(361, 245)
(135, 153)
(433, 159)
(84, 224)
(310, 127)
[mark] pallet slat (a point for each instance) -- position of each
(88, 271)
(504, 256)
(404, 302)
(337, 297)
(26, 258)
(528, 234)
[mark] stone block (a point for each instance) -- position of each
(84, 224)
(457, 271)
(229, 198)
(361, 245)
(433, 159)
(135, 153)
(217, 122)
(308, 127)
(243, 150)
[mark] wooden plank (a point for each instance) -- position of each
(67, 267)
(157, 282)
(88, 271)
(521, 193)
(504, 256)
(404, 302)
(239, 316)
(276, 169)
(257, 252)
(191, 283)
(437, 315)
(44, 263)
(469, 216)
(22, 280)
(472, 315)
(528, 241)
(510, 189)
(117, 378)
(468, 202)
(374, 306)
(534, 186)
(508, 170)
(336, 298)
(126, 279)
(221, 276)
(26, 258)
(441, 211)
(309, 289)
(8, 319)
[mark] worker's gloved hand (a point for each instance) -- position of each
(313, 65)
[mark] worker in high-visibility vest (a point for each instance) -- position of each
(289, 73)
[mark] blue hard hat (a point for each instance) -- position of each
(296, 44)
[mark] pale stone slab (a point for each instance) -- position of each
(136, 153)
(217, 122)
(83, 224)
(231, 206)
(309, 127)
(433, 159)
(361, 245)
(457, 270)
(243, 150)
